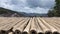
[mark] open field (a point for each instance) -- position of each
(29, 25)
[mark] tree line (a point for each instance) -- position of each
(55, 12)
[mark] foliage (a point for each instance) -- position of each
(55, 10)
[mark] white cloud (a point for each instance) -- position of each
(40, 6)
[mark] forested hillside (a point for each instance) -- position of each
(9, 13)
(56, 10)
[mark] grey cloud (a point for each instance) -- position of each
(33, 3)
(40, 3)
(37, 6)
(15, 2)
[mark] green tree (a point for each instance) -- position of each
(50, 13)
(56, 9)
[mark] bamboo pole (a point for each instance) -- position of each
(27, 29)
(11, 24)
(7, 27)
(55, 24)
(44, 28)
(39, 30)
(22, 27)
(4, 25)
(10, 33)
(20, 23)
(52, 22)
(57, 28)
(4, 22)
(53, 29)
(33, 27)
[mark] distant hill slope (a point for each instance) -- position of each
(9, 13)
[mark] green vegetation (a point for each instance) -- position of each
(56, 10)
(5, 11)
(8, 13)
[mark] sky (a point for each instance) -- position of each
(28, 6)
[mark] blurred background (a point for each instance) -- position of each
(27, 8)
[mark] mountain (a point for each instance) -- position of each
(10, 13)
(37, 15)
